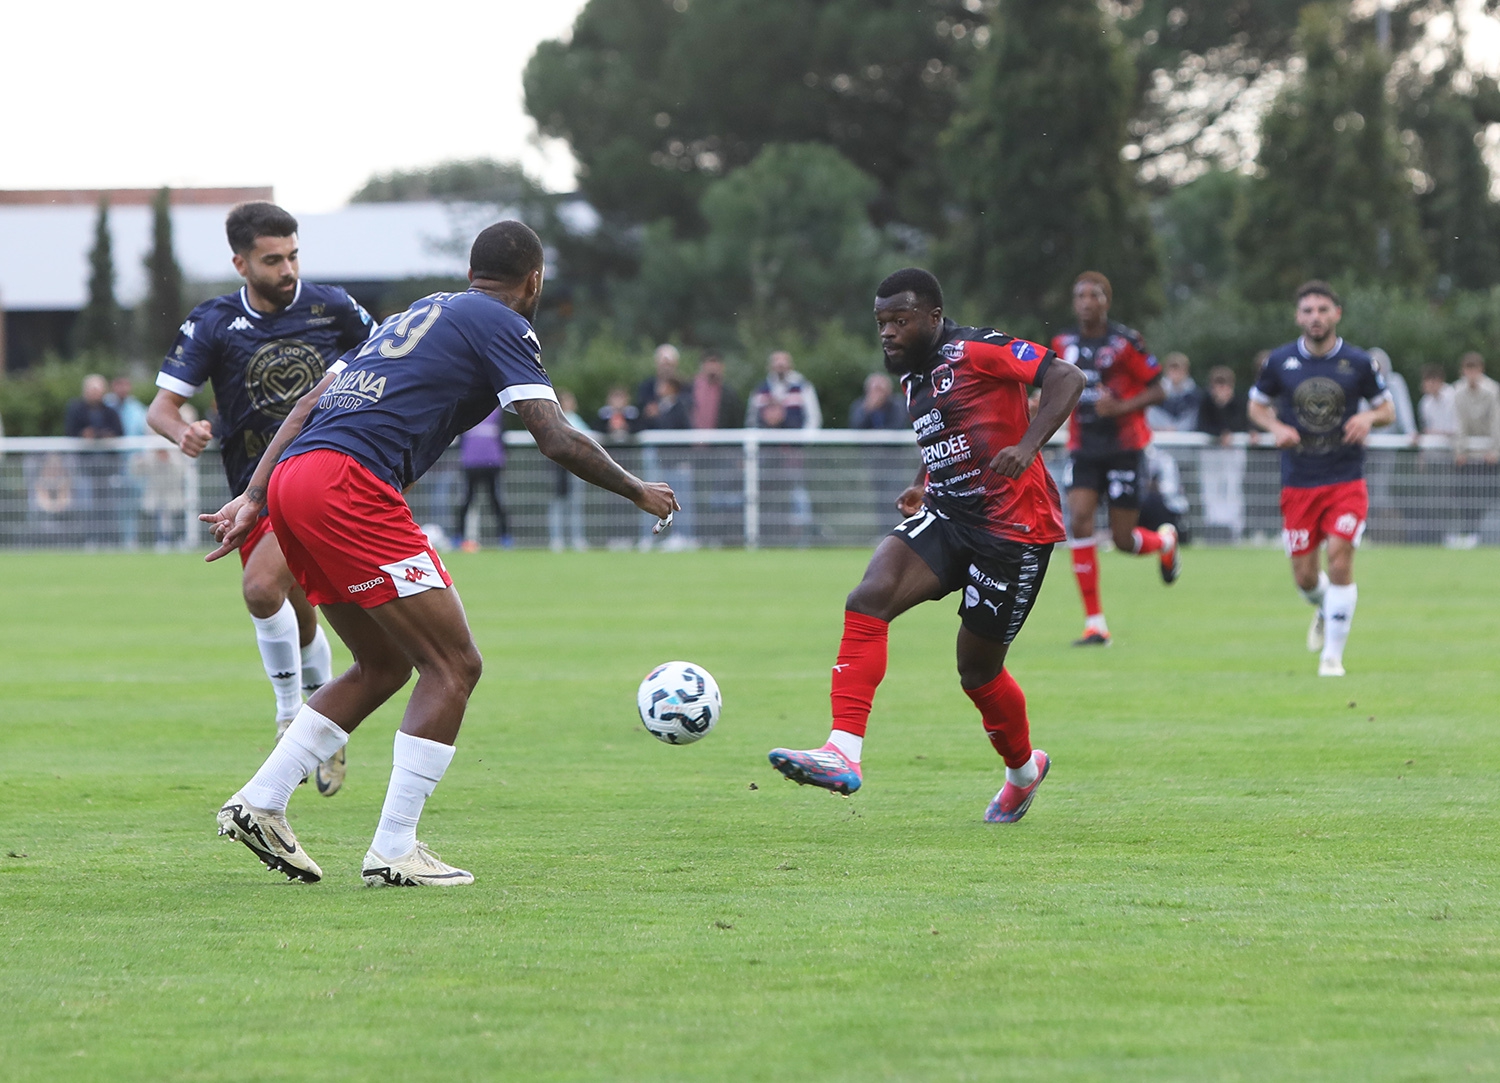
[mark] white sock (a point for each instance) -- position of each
(1024, 775)
(847, 743)
(308, 741)
(1338, 615)
(418, 768)
(1096, 624)
(1315, 596)
(278, 638)
(317, 663)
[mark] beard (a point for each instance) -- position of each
(896, 364)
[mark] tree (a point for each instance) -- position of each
(473, 180)
(789, 247)
(100, 327)
(1035, 153)
(658, 98)
(163, 308)
(1332, 197)
(1195, 228)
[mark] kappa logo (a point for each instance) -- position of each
(366, 585)
(188, 327)
(414, 575)
(1292, 363)
(953, 351)
(942, 379)
(530, 336)
(239, 323)
(1346, 523)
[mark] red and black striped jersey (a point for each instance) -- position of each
(1119, 363)
(968, 404)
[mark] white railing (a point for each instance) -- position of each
(739, 487)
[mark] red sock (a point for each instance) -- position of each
(1086, 568)
(860, 669)
(1146, 541)
(1003, 707)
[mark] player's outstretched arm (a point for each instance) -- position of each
(164, 415)
(1263, 415)
(232, 523)
(1061, 386)
(580, 453)
(1357, 428)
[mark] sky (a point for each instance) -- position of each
(311, 98)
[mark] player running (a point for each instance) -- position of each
(982, 518)
(1106, 440)
(375, 424)
(1307, 397)
(262, 348)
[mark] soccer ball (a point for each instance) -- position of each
(679, 702)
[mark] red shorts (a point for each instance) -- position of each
(258, 533)
(1324, 511)
(348, 536)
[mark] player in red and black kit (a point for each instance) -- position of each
(982, 518)
(1107, 440)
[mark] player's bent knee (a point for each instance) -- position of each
(263, 596)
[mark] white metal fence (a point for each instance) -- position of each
(747, 488)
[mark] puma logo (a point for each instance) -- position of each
(992, 605)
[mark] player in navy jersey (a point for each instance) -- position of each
(332, 480)
(982, 518)
(1307, 396)
(1107, 438)
(261, 349)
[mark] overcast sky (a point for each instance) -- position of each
(311, 97)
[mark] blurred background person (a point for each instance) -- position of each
(668, 407)
(1476, 446)
(618, 416)
(1223, 413)
(1178, 412)
(127, 485)
(878, 408)
(1436, 410)
(89, 417)
(721, 499)
(565, 510)
(482, 454)
(1406, 416)
(716, 405)
(785, 399)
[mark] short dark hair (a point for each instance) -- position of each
(1317, 287)
(248, 222)
(506, 252)
(923, 284)
(1433, 371)
(1098, 279)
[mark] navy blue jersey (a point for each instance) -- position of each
(1316, 395)
(260, 363)
(434, 371)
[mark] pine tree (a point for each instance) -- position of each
(163, 308)
(100, 327)
(1332, 198)
(1035, 154)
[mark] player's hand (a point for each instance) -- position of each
(195, 438)
(1011, 462)
(1286, 436)
(657, 499)
(231, 525)
(1357, 428)
(910, 501)
(1106, 405)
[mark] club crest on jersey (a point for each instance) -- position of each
(1023, 350)
(953, 351)
(280, 373)
(942, 378)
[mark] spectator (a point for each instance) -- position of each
(617, 417)
(1223, 412)
(1476, 404)
(716, 405)
(1437, 410)
(1178, 412)
(482, 453)
(666, 360)
(89, 416)
(132, 410)
(878, 408)
(161, 476)
(668, 407)
(785, 399)
(1406, 418)
(1222, 469)
(565, 511)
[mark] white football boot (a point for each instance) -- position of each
(268, 836)
(418, 867)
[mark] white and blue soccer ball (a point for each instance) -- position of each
(679, 702)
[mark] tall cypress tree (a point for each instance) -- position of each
(163, 311)
(99, 324)
(1035, 156)
(1332, 198)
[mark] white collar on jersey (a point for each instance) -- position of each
(245, 301)
(1307, 355)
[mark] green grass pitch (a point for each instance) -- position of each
(1236, 871)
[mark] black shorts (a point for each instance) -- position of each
(999, 579)
(1119, 477)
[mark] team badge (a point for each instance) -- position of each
(942, 379)
(279, 374)
(953, 351)
(1023, 350)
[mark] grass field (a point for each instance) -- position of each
(1236, 871)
